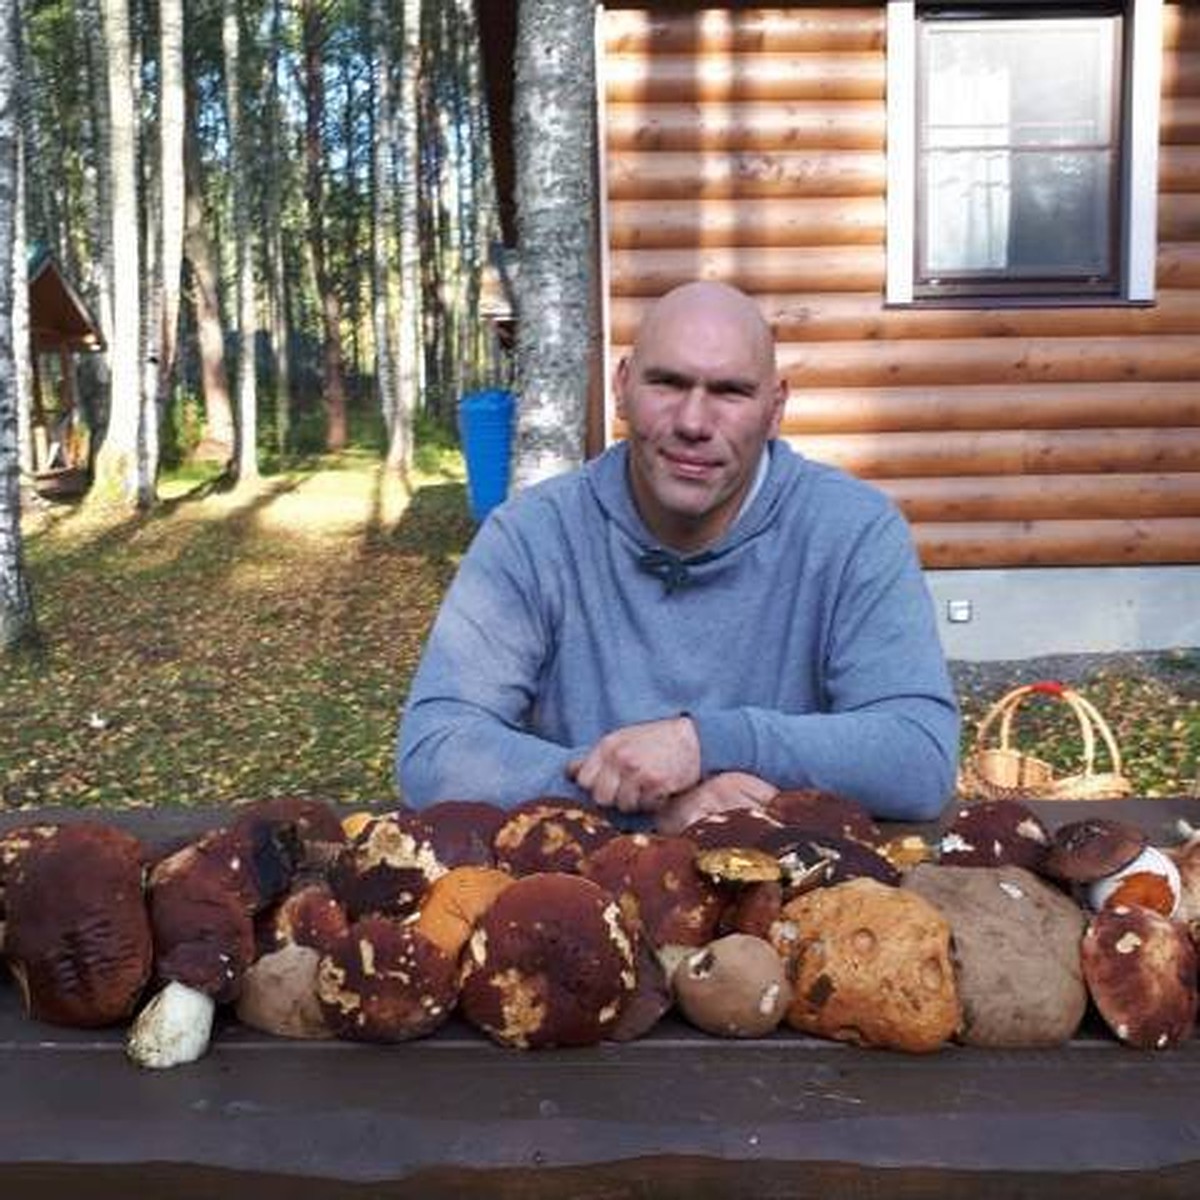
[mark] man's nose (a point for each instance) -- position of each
(693, 418)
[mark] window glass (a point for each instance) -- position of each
(1017, 151)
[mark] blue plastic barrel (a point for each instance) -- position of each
(485, 427)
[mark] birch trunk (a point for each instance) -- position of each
(383, 310)
(278, 288)
(22, 347)
(409, 350)
(17, 623)
(116, 473)
(555, 162)
(247, 396)
(171, 183)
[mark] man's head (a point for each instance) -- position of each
(701, 396)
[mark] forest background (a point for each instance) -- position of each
(281, 214)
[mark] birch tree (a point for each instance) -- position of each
(555, 149)
(247, 395)
(172, 118)
(408, 344)
(17, 622)
(116, 470)
(277, 285)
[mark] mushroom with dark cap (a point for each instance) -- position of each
(1140, 968)
(846, 859)
(736, 828)
(825, 813)
(1084, 851)
(388, 867)
(550, 835)
(385, 982)
(735, 986)
(78, 935)
(550, 964)
(464, 830)
(994, 833)
(658, 886)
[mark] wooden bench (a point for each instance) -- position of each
(677, 1114)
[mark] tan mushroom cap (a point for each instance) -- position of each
(736, 986)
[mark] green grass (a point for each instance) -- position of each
(231, 646)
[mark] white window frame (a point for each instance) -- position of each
(1139, 198)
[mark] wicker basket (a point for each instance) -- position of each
(1000, 771)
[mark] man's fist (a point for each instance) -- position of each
(636, 768)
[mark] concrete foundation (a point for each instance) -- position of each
(1029, 612)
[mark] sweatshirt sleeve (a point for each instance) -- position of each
(462, 732)
(888, 731)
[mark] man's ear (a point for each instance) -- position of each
(620, 385)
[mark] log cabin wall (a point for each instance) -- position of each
(747, 145)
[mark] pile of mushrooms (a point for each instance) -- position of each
(545, 926)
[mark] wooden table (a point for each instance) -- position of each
(677, 1114)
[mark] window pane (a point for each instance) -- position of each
(1017, 146)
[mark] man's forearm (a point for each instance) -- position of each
(453, 750)
(900, 765)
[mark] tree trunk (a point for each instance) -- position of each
(172, 118)
(17, 624)
(247, 403)
(334, 381)
(217, 442)
(383, 309)
(555, 139)
(277, 273)
(409, 343)
(22, 347)
(116, 472)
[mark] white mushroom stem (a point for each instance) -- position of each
(174, 1028)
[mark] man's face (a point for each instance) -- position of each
(701, 398)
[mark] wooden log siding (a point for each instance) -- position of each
(749, 146)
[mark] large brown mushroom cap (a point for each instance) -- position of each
(385, 982)
(388, 867)
(736, 986)
(203, 935)
(1016, 951)
(994, 833)
(734, 829)
(870, 964)
(310, 826)
(464, 830)
(550, 964)
(78, 936)
(1084, 851)
(658, 886)
(825, 813)
(309, 915)
(550, 835)
(1140, 968)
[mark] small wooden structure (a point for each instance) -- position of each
(60, 326)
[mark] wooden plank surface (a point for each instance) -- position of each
(676, 1114)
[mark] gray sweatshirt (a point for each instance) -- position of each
(802, 644)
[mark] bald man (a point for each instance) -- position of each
(695, 619)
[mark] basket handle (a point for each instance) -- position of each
(1005, 709)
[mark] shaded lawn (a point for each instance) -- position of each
(228, 647)
(232, 647)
